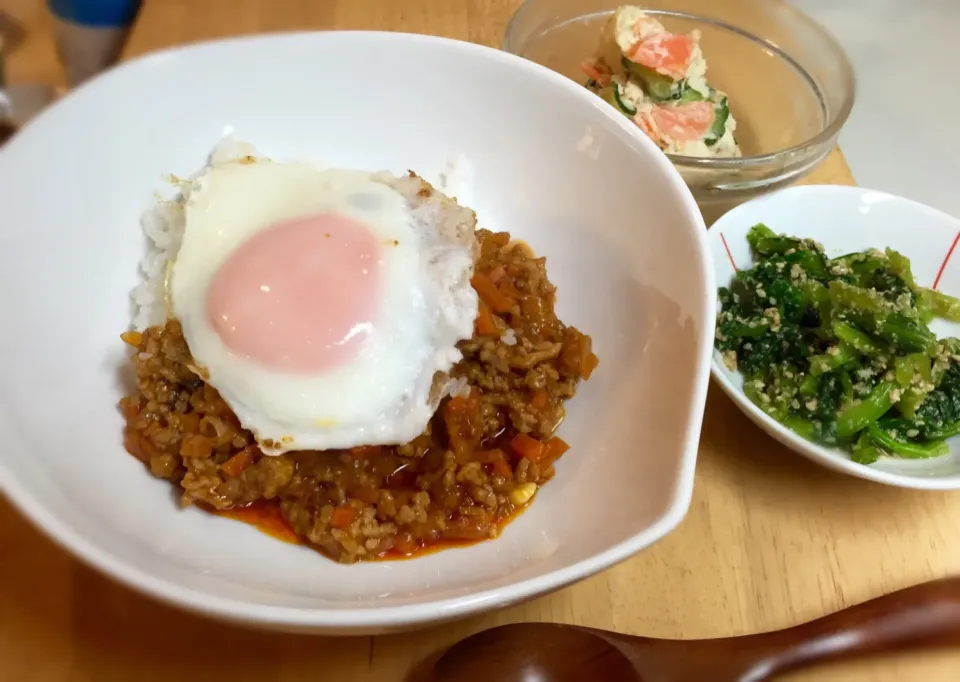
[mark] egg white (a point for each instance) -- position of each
(386, 393)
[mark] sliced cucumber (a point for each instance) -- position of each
(625, 107)
(719, 127)
(691, 95)
(612, 95)
(607, 95)
(659, 87)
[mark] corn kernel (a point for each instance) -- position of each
(523, 493)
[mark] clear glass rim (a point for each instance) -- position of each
(824, 137)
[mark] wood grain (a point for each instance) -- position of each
(770, 539)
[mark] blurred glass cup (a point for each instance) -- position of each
(90, 34)
(19, 102)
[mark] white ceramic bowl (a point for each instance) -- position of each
(551, 164)
(846, 219)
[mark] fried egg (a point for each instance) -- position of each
(325, 305)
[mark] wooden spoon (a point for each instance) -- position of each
(921, 616)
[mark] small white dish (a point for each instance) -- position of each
(74, 182)
(846, 219)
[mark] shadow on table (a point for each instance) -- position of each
(734, 448)
(68, 616)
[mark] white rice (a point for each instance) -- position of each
(163, 225)
(456, 180)
(458, 388)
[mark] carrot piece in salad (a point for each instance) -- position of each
(539, 399)
(597, 70)
(666, 53)
(684, 122)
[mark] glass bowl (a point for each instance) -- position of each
(790, 84)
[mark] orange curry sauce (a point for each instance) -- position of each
(267, 518)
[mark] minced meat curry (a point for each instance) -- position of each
(481, 459)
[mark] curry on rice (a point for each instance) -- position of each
(481, 459)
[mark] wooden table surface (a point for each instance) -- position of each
(770, 539)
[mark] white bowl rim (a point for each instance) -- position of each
(436, 611)
(818, 453)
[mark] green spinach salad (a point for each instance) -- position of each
(839, 349)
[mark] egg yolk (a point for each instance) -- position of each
(299, 296)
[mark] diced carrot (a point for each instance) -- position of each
(236, 465)
(486, 321)
(196, 446)
(149, 448)
(490, 294)
(586, 347)
(527, 446)
(460, 405)
(460, 418)
(554, 448)
(130, 408)
(502, 466)
(499, 238)
(132, 338)
(588, 365)
(588, 360)
(342, 517)
(190, 422)
(539, 399)
(131, 441)
(495, 457)
(508, 289)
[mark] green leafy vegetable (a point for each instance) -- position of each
(839, 351)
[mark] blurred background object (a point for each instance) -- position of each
(11, 31)
(49, 45)
(90, 34)
(895, 141)
(30, 75)
(21, 101)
